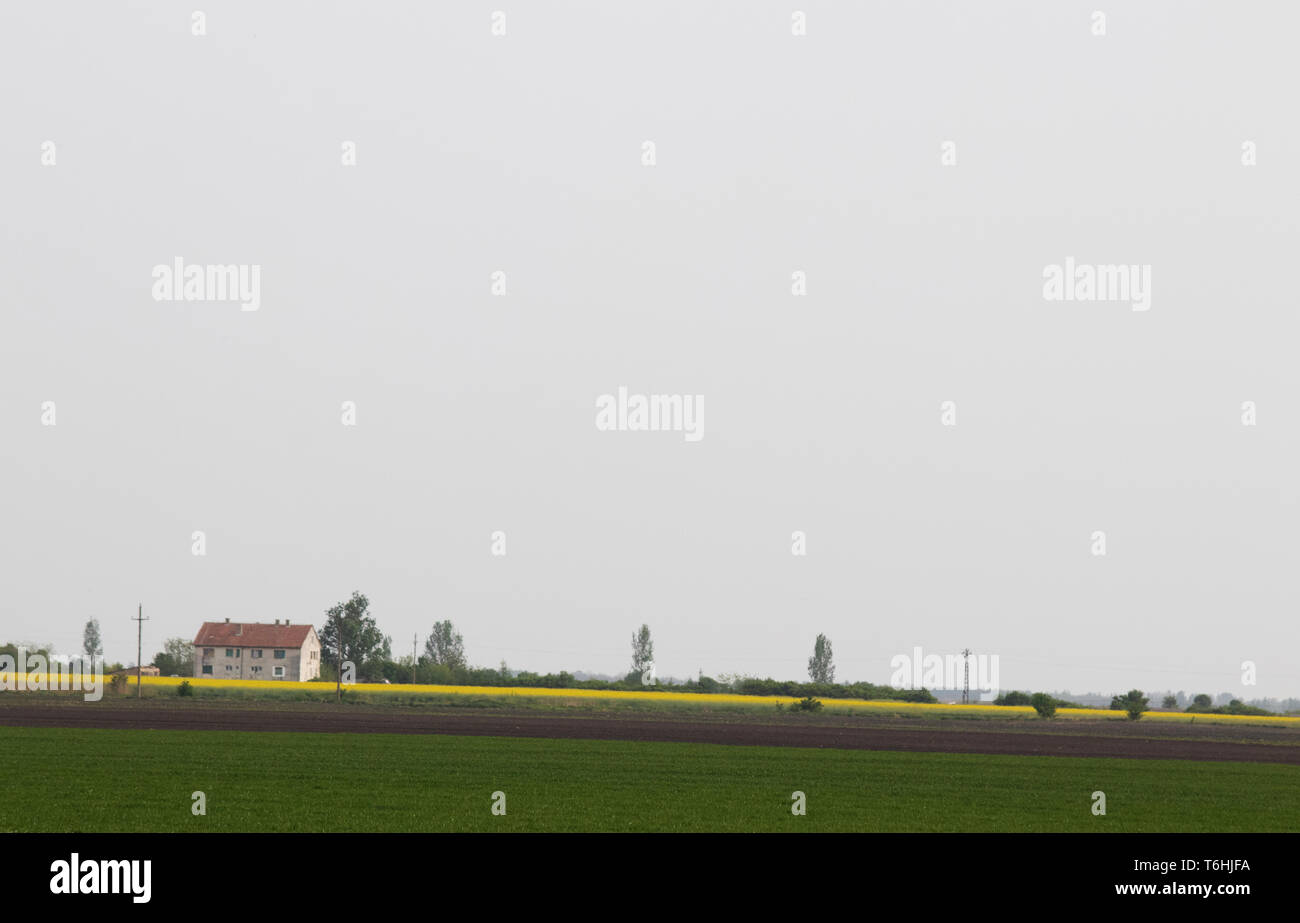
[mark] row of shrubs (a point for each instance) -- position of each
(1024, 698)
(830, 690)
(1042, 703)
(1235, 707)
(441, 675)
(1133, 702)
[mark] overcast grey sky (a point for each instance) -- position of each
(775, 153)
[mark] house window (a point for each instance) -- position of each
(230, 652)
(279, 655)
(257, 669)
(279, 671)
(229, 668)
(207, 670)
(257, 652)
(207, 652)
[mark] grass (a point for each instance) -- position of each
(66, 780)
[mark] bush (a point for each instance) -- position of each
(708, 684)
(1044, 704)
(1235, 707)
(1133, 702)
(185, 688)
(1014, 698)
(806, 704)
(118, 683)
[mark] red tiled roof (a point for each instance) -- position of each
(254, 634)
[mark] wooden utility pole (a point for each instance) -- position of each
(139, 644)
(414, 640)
(338, 676)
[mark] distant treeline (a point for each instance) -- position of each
(1235, 707)
(47, 651)
(441, 675)
(1024, 698)
(828, 690)
(1201, 704)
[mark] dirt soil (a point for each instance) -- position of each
(1086, 739)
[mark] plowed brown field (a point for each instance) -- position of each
(1095, 739)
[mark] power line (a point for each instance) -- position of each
(139, 644)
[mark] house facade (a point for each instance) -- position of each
(255, 650)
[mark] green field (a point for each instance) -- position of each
(65, 779)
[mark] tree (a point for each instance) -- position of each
(176, 658)
(1133, 702)
(821, 669)
(1044, 704)
(1202, 701)
(643, 652)
(1169, 702)
(362, 641)
(90, 640)
(445, 647)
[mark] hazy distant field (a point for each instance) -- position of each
(64, 779)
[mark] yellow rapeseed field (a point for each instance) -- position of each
(696, 698)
